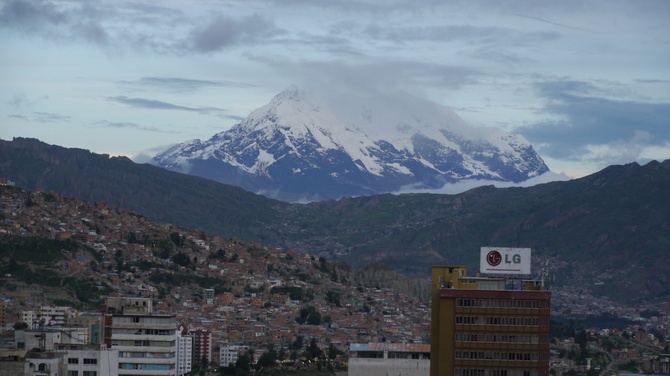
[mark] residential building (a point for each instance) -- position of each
(90, 361)
(43, 363)
(92, 323)
(229, 354)
(12, 361)
(481, 326)
(383, 358)
(202, 345)
(209, 296)
(41, 339)
(184, 350)
(147, 342)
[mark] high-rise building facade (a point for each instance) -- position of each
(147, 343)
(484, 327)
(184, 350)
(202, 345)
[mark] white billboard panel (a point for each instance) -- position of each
(498, 260)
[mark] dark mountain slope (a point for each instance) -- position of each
(612, 226)
(154, 192)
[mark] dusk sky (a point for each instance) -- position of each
(586, 82)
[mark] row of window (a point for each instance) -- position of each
(84, 373)
(503, 303)
(152, 367)
(148, 321)
(502, 338)
(154, 332)
(145, 343)
(133, 354)
(498, 355)
(86, 361)
(498, 372)
(494, 320)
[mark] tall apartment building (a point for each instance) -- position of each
(147, 343)
(202, 345)
(484, 327)
(184, 350)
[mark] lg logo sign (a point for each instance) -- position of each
(494, 258)
(505, 260)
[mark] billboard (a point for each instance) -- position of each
(497, 260)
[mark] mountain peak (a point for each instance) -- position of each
(299, 146)
(292, 93)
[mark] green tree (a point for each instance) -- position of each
(313, 351)
(297, 343)
(268, 358)
(243, 364)
(181, 259)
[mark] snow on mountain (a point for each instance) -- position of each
(299, 146)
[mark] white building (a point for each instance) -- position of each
(147, 343)
(44, 340)
(382, 359)
(230, 354)
(91, 362)
(47, 316)
(184, 353)
(55, 315)
(43, 364)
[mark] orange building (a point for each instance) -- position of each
(482, 327)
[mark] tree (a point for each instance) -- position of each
(333, 352)
(314, 318)
(268, 358)
(20, 325)
(298, 343)
(181, 259)
(243, 364)
(313, 351)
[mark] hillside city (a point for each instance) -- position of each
(249, 296)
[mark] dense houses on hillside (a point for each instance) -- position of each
(226, 295)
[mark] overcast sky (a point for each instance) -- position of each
(586, 82)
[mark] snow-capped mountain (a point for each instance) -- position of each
(299, 147)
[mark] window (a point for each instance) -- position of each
(90, 373)
(72, 361)
(72, 373)
(90, 361)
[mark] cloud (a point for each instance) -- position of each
(585, 122)
(371, 75)
(129, 125)
(178, 84)
(466, 185)
(489, 35)
(222, 32)
(153, 104)
(20, 101)
(42, 117)
(119, 26)
(52, 21)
